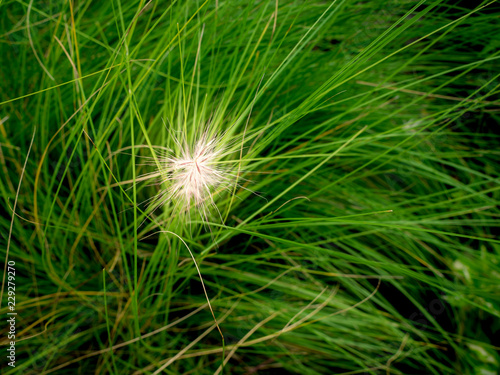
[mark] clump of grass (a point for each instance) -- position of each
(367, 127)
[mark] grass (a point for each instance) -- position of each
(357, 235)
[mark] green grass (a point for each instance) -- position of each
(357, 237)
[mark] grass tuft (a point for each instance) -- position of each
(250, 187)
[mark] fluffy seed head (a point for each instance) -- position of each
(194, 173)
(193, 176)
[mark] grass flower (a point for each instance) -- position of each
(193, 175)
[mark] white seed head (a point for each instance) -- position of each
(193, 176)
(194, 173)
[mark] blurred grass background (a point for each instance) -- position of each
(360, 240)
